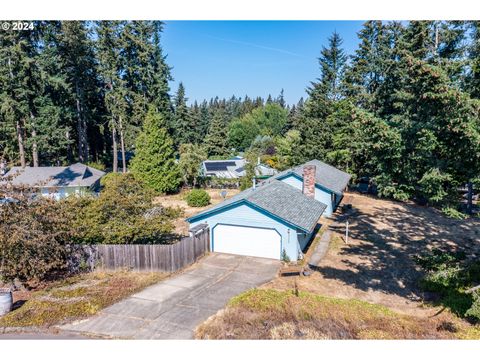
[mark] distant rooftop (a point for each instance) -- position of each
(55, 176)
(233, 168)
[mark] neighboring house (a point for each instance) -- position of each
(57, 181)
(224, 169)
(233, 169)
(330, 183)
(265, 221)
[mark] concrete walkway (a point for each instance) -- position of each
(173, 308)
(320, 250)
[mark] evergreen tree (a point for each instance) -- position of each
(204, 123)
(76, 51)
(216, 139)
(419, 40)
(332, 62)
(369, 65)
(31, 83)
(280, 100)
(295, 116)
(315, 130)
(154, 160)
(473, 77)
(435, 118)
(191, 157)
(110, 68)
(145, 75)
(185, 128)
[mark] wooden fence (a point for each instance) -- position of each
(168, 258)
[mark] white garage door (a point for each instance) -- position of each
(250, 241)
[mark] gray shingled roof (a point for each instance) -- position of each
(55, 176)
(325, 175)
(281, 200)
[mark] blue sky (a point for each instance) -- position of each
(256, 58)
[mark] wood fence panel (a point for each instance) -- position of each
(168, 258)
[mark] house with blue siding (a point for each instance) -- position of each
(330, 182)
(277, 218)
(274, 220)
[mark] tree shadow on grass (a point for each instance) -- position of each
(389, 238)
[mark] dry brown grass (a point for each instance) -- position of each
(273, 314)
(377, 264)
(367, 289)
(178, 200)
(75, 298)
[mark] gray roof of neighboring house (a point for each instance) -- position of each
(223, 168)
(55, 176)
(281, 200)
(325, 175)
(233, 168)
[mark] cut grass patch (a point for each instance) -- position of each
(273, 314)
(77, 297)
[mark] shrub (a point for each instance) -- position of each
(450, 274)
(33, 240)
(285, 257)
(122, 214)
(198, 198)
(474, 311)
(453, 213)
(97, 165)
(438, 259)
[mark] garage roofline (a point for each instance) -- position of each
(256, 207)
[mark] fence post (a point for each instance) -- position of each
(346, 234)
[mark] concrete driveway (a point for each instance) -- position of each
(173, 308)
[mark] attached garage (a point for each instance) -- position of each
(269, 221)
(247, 240)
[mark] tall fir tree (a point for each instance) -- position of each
(473, 75)
(110, 67)
(332, 63)
(185, 127)
(369, 65)
(154, 161)
(324, 93)
(77, 56)
(216, 139)
(29, 112)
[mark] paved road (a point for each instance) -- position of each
(173, 308)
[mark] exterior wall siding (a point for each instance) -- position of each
(246, 215)
(62, 192)
(321, 195)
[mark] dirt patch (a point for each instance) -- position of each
(178, 200)
(377, 264)
(273, 314)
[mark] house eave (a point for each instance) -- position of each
(243, 201)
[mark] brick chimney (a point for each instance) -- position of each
(309, 180)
